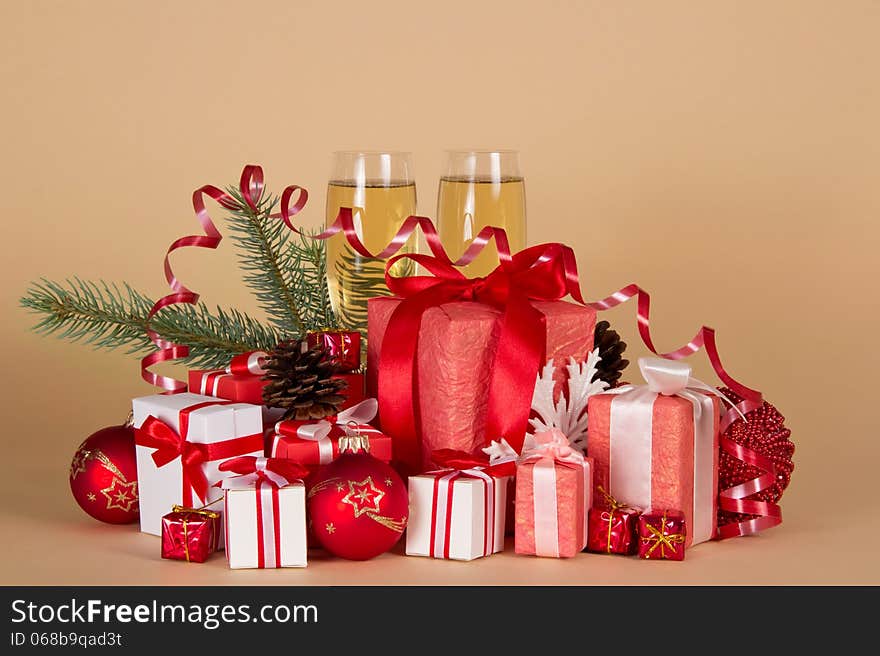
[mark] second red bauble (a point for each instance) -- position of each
(358, 506)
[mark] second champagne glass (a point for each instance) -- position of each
(380, 189)
(481, 188)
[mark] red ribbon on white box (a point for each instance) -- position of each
(170, 445)
(441, 509)
(319, 432)
(244, 364)
(266, 476)
(552, 447)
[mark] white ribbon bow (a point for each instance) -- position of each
(673, 378)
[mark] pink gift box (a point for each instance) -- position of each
(457, 343)
(653, 455)
(537, 531)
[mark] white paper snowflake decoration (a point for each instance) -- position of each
(499, 452)
(567, 414)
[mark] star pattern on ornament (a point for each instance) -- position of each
(121, 495)
(80, 460)
(330, 528)
(364, 497)
(340, 487)
(91, 496)
(388, 482)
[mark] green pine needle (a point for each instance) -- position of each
(286, 272)
(107, 316)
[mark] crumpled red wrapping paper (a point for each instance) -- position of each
(457, 343)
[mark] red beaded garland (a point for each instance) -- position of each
(765, 433)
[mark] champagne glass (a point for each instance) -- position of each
(380, 189)
(481, 188)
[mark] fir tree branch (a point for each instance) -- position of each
(286, 272)
(266, 261)
(309, 262)
(106, 316)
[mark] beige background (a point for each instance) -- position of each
(725, 155)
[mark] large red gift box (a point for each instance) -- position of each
(457, 343)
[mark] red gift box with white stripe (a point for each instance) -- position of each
(317, 442)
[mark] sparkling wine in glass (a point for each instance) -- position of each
(380, 189)
(481, 188)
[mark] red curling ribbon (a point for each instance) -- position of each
(735, 498)
(248, 364)
(251, 187)
(293, 200)
(170, 445)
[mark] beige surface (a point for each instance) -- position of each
(725, 155)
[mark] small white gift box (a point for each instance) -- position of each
(265, 512)
(181, 440)
(456, 514)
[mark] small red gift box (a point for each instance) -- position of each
(344, 346)
(190, 534)
(222, 385)
(317, 442)
(612, 527)
(662, 535)
(241, 381)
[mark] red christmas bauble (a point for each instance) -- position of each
(103, 475)
(765, 433)
(358, 506)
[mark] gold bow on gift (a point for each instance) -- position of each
(661, 539)
(202, 512)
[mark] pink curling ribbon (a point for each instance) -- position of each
(294, 198)
(251, 187)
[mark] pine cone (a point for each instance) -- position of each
(300, 379)
(612, 364)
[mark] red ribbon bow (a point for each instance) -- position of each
(535, 274)
(264, 468)
(170, 445)
(454, 459)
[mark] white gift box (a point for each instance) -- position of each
(470, 502)
(161, 487)
(266, 526)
